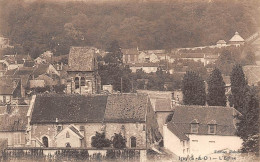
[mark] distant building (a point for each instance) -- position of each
(14, 125)
(162, 104)
(130, 55)
(72, 120)
(83, 77)
(237, 40)
(10, 89)
(221, 43)
(200, 130)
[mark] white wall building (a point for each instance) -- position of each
(201, 130)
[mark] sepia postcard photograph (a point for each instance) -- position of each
(129, 80)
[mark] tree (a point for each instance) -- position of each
(225, 62)
(113, 71)
(216, 89)
(238, 83)
(119, 141)
(248, 125)
(193, 89)
(115, 56)
(99, 140)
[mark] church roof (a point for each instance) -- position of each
(81, 59)
(237, 38)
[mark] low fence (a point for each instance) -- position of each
(73, 154)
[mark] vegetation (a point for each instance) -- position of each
(119, 141)
(100, 141)
(193, 89)
(39, 26)
(248, 126)
(216, 89)
(238, 84)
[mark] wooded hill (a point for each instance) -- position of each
(41, 26)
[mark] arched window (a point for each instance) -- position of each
(133, 142)
(76, 82)
(68, 145)
(82, 81)
(45, 141)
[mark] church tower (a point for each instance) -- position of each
(83, 75)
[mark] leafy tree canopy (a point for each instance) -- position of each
(216, 89)
(193, 89)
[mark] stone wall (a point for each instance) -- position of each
(128, 130)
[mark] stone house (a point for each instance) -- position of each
(13, 127)
(200, 130)
(83, 77)
(146, 67)
(161, 102)
(130, 55)
(71, 120)
(10, 90)
(44, 74)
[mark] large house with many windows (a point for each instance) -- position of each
(201, 130)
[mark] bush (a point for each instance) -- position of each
(99, 141)
(119, 141)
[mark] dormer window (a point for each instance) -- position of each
(212, 127)
(194, 126)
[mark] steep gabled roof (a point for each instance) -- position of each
(13, 117)
(81, 59)
(222, 116)
(131, 51)
(175, 130)
(126, 108)
(8, 85)
(236, 38)
(68, 108)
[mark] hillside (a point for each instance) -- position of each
(41, 25)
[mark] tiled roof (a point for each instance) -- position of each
(7, 85)
(147, 64)
(126, 108)
(41, 69)
(131, 51)
(11, 72)
(236, 38)
(13, 118)
(223, 116)
(252, 73)
(174, 129)
(68, 108)
(84, 109)
(163, 105)
(221, 42)
(81, 59)
(192, 55)
(75, 130)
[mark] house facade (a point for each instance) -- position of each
(72, 120)
(83, 77)
(13, 127)
(200, 130)
(10, 89)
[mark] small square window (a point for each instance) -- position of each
(194, 128)
(212, 129)
(59, 128)
(81, 128)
